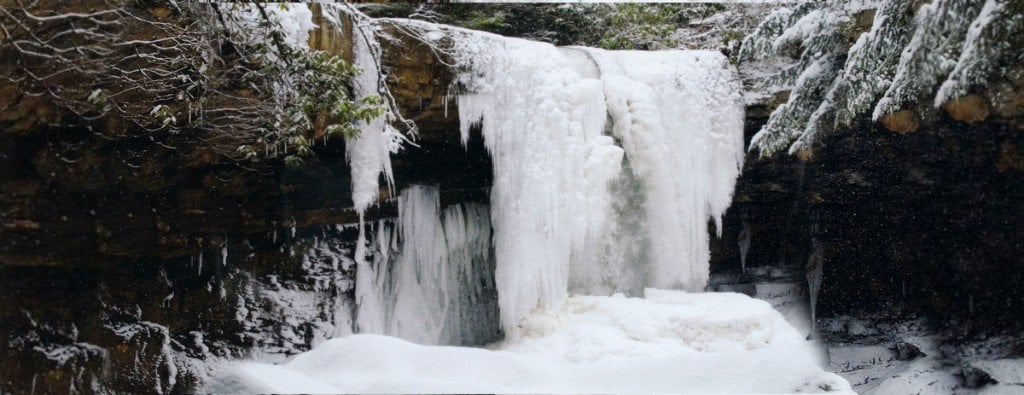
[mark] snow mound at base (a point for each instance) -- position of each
(669, 341)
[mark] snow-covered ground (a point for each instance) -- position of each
(668, 341)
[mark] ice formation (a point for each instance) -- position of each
(368, 154)
(743, 242)
(543, 113)
(607, 169)
(680, 120)
(431, 274)
(543, 125)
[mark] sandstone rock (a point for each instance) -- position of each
(235, 182)
(328, 37)
(805, 155)
(970, 108)
(418, 79)
(22, 114)
(902, 122)
(160, 12)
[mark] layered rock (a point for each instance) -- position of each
(912, 214)
(127, 262)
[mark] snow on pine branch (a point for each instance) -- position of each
(912, 58)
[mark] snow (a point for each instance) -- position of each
(669, 341)
(870, 66)
(141, 332)
(909, 60)
(804, 29)
(875, 369)
(1003, 371)
(293, 20)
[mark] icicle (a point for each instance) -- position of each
(369, 154)
(815, 266)
(433, 294)
(743, 241)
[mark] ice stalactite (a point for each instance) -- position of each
(743, 241)
(372, 285)
(543, 113)
(543, 125)
(431, 275)
(815, 267)
(369, 153)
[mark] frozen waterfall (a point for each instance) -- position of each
(562, 125)
(608, 166)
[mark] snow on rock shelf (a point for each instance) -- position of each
(668, 341)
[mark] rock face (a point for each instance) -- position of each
(916, 223)
(126, 263)
(914, 213)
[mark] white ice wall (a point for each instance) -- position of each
(544, 111)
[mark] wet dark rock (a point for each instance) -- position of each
(907, 351)
(924, 222)
(975, 377)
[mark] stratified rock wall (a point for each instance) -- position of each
(917, 212)
(130, 264)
